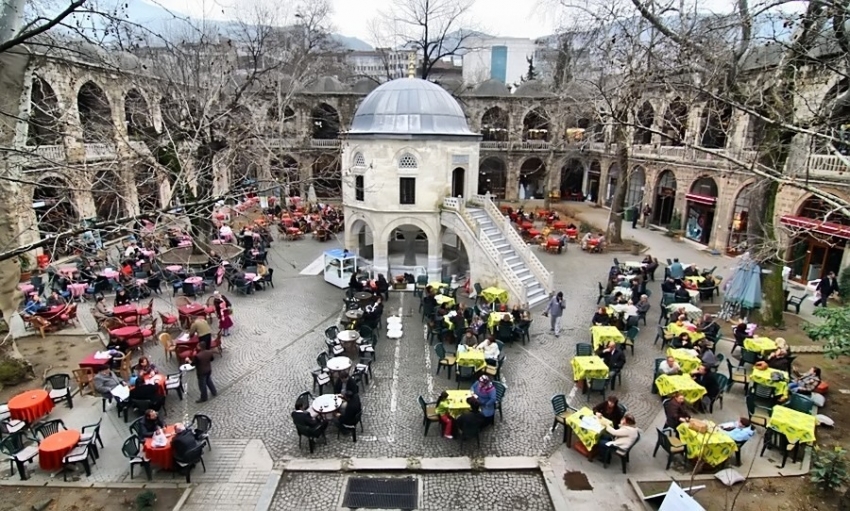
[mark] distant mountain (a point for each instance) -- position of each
(352, 43)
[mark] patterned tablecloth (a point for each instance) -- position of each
(696, 280)
(602, 335)
(796, 426)
(676, 330)
(457, 402)
(586, 368)
(692, 312)
(495, 317)
(491, 294)
(471, 358)
(448, 301)
(763, 377)
(587, 427)
(670, 384)
(713, 447)
(687, 361)
(759, 345)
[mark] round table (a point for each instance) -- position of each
(339, 364)
(26, 288)
(354, 314)
(174, 268)
(125, 310)
(30, 406)
(77, 289)
(52, 449)
(161, 456)
(125, 332)
(327, 403)
(193, 280)
(365, 298)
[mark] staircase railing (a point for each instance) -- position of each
(515, 286)
(503, 223)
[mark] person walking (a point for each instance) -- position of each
(203, 369)
(635, 215)
(647, 212)
(826, 288)
(555, 310)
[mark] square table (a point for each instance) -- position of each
(633, 264)
(696, 279)
(763, 377)
(670, 384)
(692, 312)
(495, 318)
(713, 447)
(677, 330)
(796, 426)
(457, 402)
(687, 361)
(759, 344)
(602, 335)
(471, 358)
(587, 427)
(588, 368)
(491, 294)
(448, 301)
(436, 286)
(95, 363)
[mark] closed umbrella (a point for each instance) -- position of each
(311, 195)
(743, 289)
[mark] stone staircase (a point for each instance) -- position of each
(536, 291)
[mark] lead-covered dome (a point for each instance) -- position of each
(410, 106)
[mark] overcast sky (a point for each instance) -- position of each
(508, 18)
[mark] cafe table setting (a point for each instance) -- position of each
(471, 358)
(30, 406)
(705, 441)
(587, 426)
(495, 317)
(796, 426)
(447, 301)
(686, 360)
(458, 402)
(161, 456)
(671, 384)
(602, 335)
(492, 294)
(55, 447)
(588, 368)
(677, 330)
(692, 312)
(765, 377)
(763, 345)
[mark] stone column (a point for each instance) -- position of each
(380, 261)
(435, 259)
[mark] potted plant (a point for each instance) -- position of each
(675, 226)
(25, 262)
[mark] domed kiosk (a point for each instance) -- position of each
(409, 147)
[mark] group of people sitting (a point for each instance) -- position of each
(143, 385)
(347, 416)
(676, 413)
(481, 413)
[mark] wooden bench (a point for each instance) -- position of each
(796, 301)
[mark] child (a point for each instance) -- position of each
(442, 412)
(225, 322)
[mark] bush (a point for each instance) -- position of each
(844, 285)
(675, 221)
(145, 500)
(12, 371)
(829, 468)
(585, 228)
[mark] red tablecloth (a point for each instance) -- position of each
(553, 242)
(95, 363)
(174, 268)
(52, 449)
(191, 309)
(293, 230)
(194, 280)
(30, 406)
(126, 331)
(77, 290)
(527, 225)
(124, 310)
(51, 311)
(533, 232)
(572, 232)
(161, 456)
(560, 224)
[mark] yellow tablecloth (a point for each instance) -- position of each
(491, 294)
(713, 447)
(602, 335)
(447, 300)
(437, 285)
(494, 318)
(448, 322)
(676, 330)
(670, 384)
(763, 377)
(471, 358)
(588, 438)
(760, 345)
(796, 426)
(586, 368)
(457, 402)
(696, 280)
(686, 360)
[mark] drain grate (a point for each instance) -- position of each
(376, 493)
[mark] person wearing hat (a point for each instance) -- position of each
(485, 395)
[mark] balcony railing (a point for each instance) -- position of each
(495, 145)
(531, 145)
(138, 147)
(826, 165)
(330, 143)
(99, 151)
(44, 154)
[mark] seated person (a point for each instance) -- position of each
(610, 409)
(682, 295)
(350, 409)
(621, 438)
(34, 305)
(442, 411)
(469, 423)
(613, 356)
(669, 367)
(707, 357)
(145, 366)
(703, 376)
(619, 299)
(740, 430)
(691, 271)
(55, 300)
(709, 327)
(643, 305)
(675, 412)
(104, 381)
(805, 383)
(303, 418)
(150, 423)
(683, 341)
(668, 286)
(183, 442)
(345, 384)
(601, 317)
(491, 350)
(478, 325)
(150, 393)
(484, 393)
(778, 359)
(122, 298)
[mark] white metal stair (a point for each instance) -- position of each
(535, 290)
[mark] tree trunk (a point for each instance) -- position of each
(615, 222)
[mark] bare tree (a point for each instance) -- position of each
(434, 29)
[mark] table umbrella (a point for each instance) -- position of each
(743, 290)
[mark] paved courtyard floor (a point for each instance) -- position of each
(266, 364)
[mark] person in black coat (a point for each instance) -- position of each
(302, 418)
(708, 380)
(613, 356)
(184, 441)
(826, 287)
(352, 408)
(345, 384)
(150, 423)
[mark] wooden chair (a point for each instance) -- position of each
(85, 379)
(182, 301)
(217, 344)
(126, 367)
(167, 345)
(169, 321)
(38, 324)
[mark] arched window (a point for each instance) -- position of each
(407, 161)
(360, 161)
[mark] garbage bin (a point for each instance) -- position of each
(628, 214)
(635, 248)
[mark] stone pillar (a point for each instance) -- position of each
(380, 261)
(409, 245)
(435, 259)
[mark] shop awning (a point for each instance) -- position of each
(701, 199)
(828, 228)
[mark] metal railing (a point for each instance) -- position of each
(531, 145)
(503, 223)
(826, 165)
(99, 151)
(329, 143)
(498, 146)
(51, 153)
